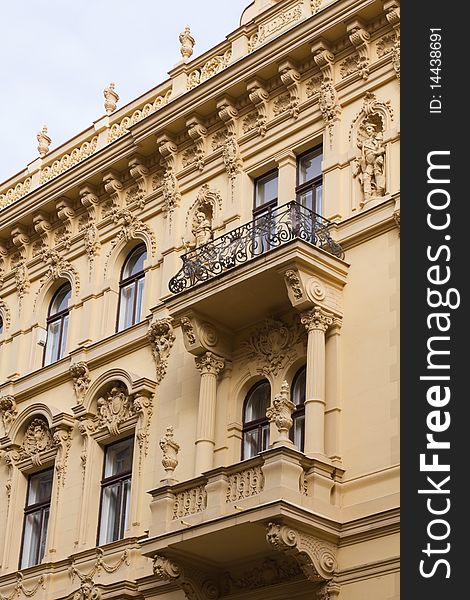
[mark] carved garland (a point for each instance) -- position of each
(21, 589)
(88, 589)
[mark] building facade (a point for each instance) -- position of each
(199, 303)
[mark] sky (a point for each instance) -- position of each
(57, 56)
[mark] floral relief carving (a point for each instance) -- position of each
(312, 86)
(280, 413)
(349, 66)
(196, 585)
(142, 406)
(21, 275)
(386, 44)
(231, 156)
(250, 122)
(69, 160)
(293, 281)
(188, 330)
(58, 267)
(281, 104)
(5, 312)
(8, 411)
(15, 193)
(272, 346)
(218, 139)
(267, 572)
(213, 66)
(161, 337)
(62, 440)
(316, 558)
(80, 374)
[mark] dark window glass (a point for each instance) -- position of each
(255, 422)
(36, 518)
(1, 325)
(310, 180)
(132, 289)
(266, 192)
(116, 491)
(297, 432)
(57, 325)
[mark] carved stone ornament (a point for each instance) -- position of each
(88, 589)
(161, 337)
(81, 379)
(317, 319)
(110, 98)
(272, 346)
(58, 267)
(37, 439)
(195, 584)
(316, 558)
(44, 141)
(293, 281)
(8, 412)
(170, 450)
(21, 589)
(187, 43)
(280, 413)
(231, 156)
(201, 214)
(114, 407)
(188, 330)
(267, 572)
(209, 364)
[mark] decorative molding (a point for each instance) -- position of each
(16, 193)
(230, 150)
(139, 173)
(170, 450)
(293, 281)
(69, 160)
(37, 439)
(114, 407)
(5, 313)
(392, 8)
(58, 267)
(161, 337)
(316, 558)
(188, 330)
(170, 187)
(62, 437)
(80, 374)
(8, 412)
(88, 589)
(198, 133)
(272, 346)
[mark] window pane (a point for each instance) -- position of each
(43, 538)
(258, 402)
(63, 339)
(250, 443)
(264, 437)
(306, 199)
(310, 166)
(138, 305)
(135, 262)
(40, 487)
(299, 431)
(119, 458)
(126, 308)
(31, 539)
(52, 343)
(60, 300)
(298, 392)
(319, 204)
(109, 513)
(266, 189)
(126, 496)
(1, 325)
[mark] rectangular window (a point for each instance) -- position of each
(265, 202)
(36, 518)
(116, 491)
(310, 180)
(265, 192)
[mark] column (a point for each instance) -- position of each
(287, 165)
(333, 392)
(209, 365)
(316, 322)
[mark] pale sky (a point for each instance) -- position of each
(57, 56)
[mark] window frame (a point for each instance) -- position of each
(56, 317)
(134, 280)
(44, 506)
(257, 424)
(118, 526)
(299, 409)
(312, 184)
(259, 210)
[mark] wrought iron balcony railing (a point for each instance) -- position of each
(268, 231)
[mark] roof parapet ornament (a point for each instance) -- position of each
(111, 98)
(44, 142)
(187, 43)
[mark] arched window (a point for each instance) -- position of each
(297, 432)
(132, 288)
(57, 324)
(255, 422)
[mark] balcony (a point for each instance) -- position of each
(232, 520)
(262, 235)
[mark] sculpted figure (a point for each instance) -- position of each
(370, 167)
